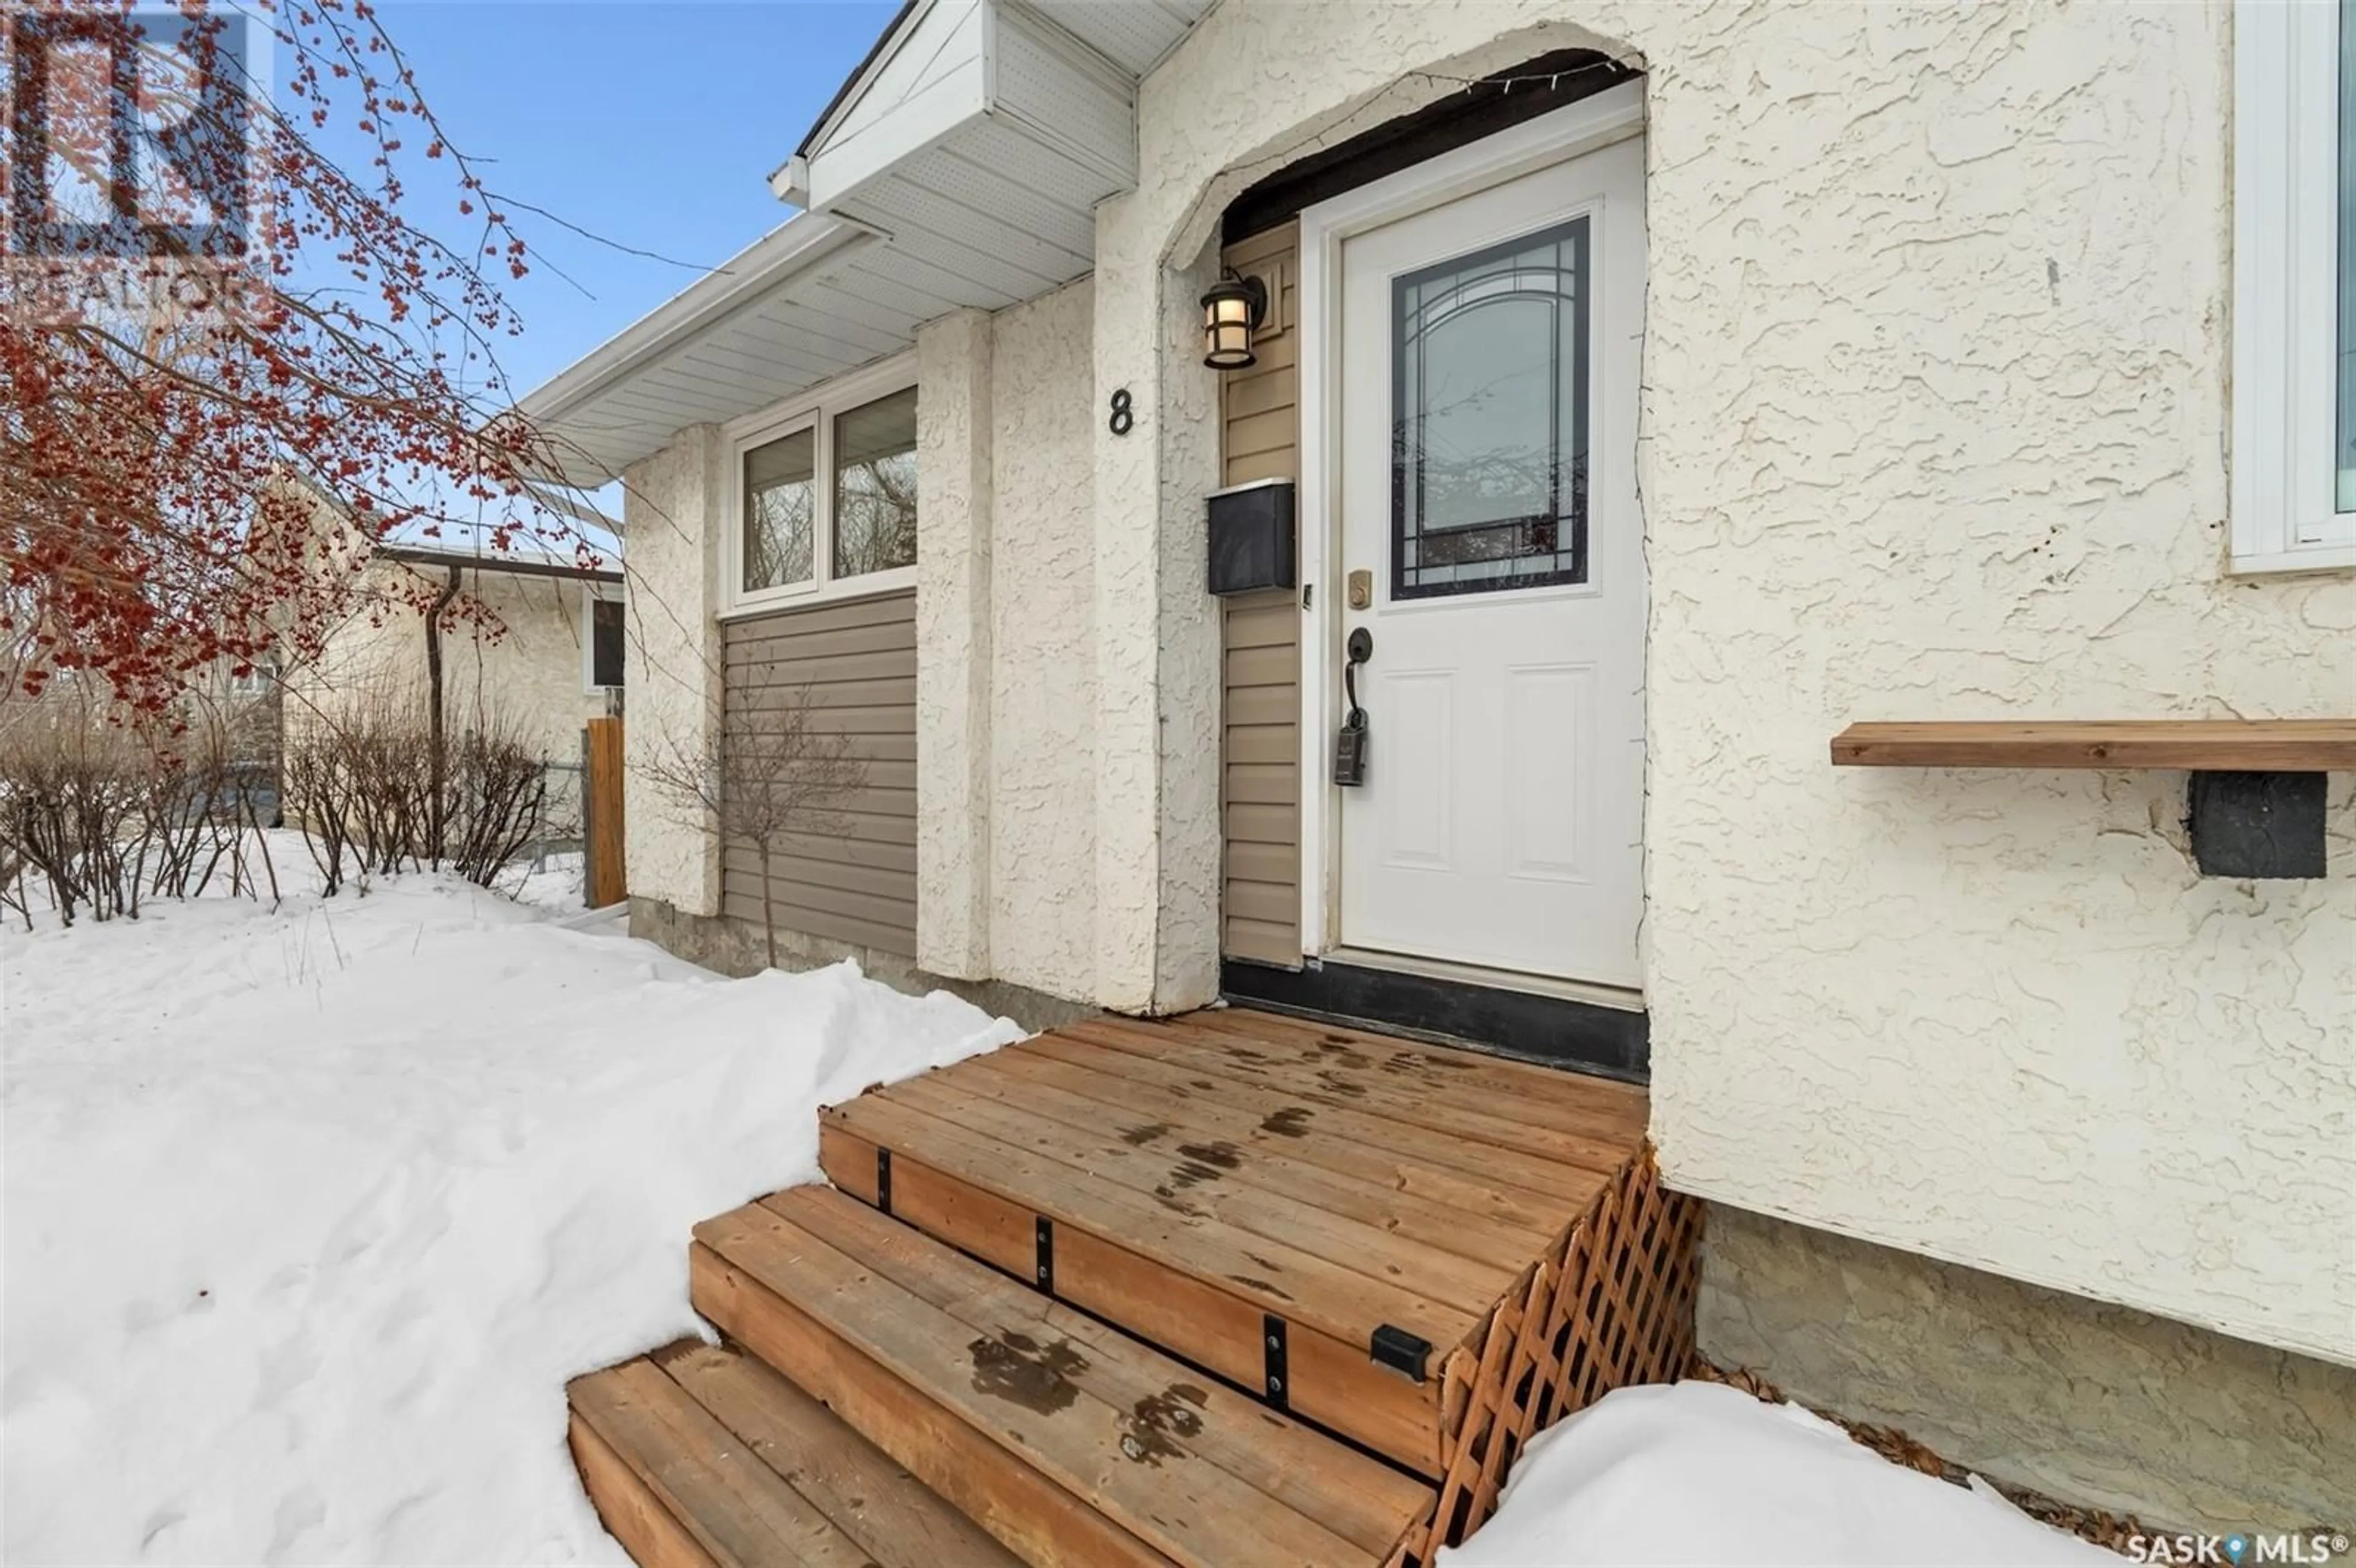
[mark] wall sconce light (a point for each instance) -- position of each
(1232, 311)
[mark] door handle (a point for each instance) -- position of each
(1350, 746)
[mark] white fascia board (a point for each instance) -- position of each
(800, 245)
(951, 72)
(933, 80)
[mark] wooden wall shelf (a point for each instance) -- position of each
(2200, 745)
(2254, 804)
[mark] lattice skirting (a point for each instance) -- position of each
(1610, 1304)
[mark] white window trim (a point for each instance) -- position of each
(2286, 273)
(591, 593)
(814, 410)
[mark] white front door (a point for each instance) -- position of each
(1487, 388)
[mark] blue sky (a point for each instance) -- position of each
(655, 125)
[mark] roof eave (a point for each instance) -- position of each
(804, 242)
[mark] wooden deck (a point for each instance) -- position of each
(1426, 1252)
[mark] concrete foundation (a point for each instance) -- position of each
(2180, 1427)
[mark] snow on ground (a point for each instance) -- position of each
(1703, 1474)
(551, 884)
(309, 1214)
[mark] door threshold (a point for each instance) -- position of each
(1627, 998)
(1527, 1026)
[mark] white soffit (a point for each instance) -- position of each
(961, 167)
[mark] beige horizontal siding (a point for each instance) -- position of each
(1261, 637)
(858, 662)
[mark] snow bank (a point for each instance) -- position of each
(1699, 1473)
(309, 1215)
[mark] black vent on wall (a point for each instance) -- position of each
(1465, 115)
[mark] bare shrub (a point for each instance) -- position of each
(497, 803)
(201, 816)
(774, 772)
(318, 801)
(101, 804)
(70, 785)
(379, 789)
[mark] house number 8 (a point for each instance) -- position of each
(1122, 418)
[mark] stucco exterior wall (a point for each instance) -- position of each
(525, 677)
(1157, 643)
(1043, 782)
(954, 428)
(672, 661)
(1934, 428)
(532, 673)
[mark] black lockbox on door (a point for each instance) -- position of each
(1252, 536)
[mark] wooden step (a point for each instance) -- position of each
(700, 1455)
(1200, 1178)
(1072, 1444)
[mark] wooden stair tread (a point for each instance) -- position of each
(1565, 1085)
(1625, 1107)
(628, 1509)
(722, 1496)
(1352, 1497)
(1157, 1113)
(1547, 1180)
(872, 1499)
(1186, 1469)
(1254, 1157)
(1560, 1135)
(1218, 1182)
(1282, 1276)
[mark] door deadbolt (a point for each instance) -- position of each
(1361, 590)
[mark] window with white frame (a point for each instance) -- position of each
(826, 495)
(2294, 477)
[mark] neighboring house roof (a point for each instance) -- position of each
(960, 165)
(512, 563)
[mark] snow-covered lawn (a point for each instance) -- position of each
(310, 1213)
(1703, 1474)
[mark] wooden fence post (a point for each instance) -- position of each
(601, 798)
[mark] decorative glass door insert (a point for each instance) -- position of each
(1490, 419)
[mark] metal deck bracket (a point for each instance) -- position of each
(1043, 1232)
(1272, 1345)
(883, 1180)
(1401, 1352)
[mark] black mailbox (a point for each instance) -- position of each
(1252, 536)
